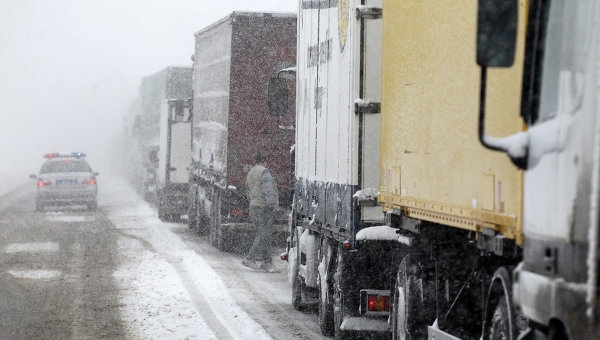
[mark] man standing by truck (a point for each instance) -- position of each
(263, 199)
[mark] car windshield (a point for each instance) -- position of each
(67, 165)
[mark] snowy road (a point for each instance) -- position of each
(173, 284)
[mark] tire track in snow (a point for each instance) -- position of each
(202, 305)
(207, 292)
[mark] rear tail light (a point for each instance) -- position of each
(378, 303)
(42, 183)
(90, 181)
(347, 245)
(238, 213)
(374, 302)
(284, 256)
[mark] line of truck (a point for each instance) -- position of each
(205, 123)
(408, 218)
(439, 161)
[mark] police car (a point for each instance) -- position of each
(66, 179)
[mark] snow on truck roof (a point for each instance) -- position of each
(246, 14)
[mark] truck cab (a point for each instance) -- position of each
(556, 284)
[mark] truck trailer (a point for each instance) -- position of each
(338, 260)
(555, 285)
(468, 243)
(174, 158)
(172, 82)
(455, 206)
(495, 247)
(233, 61)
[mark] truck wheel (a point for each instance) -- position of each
(502, 321)
(39, 206)
(92, 206)
(338, 308)
(162, 214)
(212, 235)
(192, 218)
(325, 307)
(296, 283)
(203, 224)
(499, 325)
(218, 238)
(413, 306)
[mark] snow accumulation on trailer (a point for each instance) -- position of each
(233, 61)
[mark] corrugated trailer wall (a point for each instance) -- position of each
(234, 59)
(432, 165)
(261, 45)
(327, 128)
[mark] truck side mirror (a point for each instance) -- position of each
(496, 32)
(278, 96)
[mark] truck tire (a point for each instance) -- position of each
(338, 306)
(193, 215)
(214, 234)
(413, 306)
(296, 282)
(501, 319)
(325, 306)
(217, 235)
(162, 213)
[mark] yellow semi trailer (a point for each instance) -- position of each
(456, 204)
(494, 249)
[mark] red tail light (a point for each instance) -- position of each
(42, 183)
(284, 256)
(90, 181)
(378, 303)
(347, 245)
(238, 213)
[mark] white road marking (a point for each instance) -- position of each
(31, 247)
(35, 274)
(67, 218)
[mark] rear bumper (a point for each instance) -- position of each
(66, 197)
(543, 299)
(174, 199)
(366, 324)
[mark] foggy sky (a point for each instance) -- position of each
(69, 69)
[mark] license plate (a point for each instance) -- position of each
(66, 181)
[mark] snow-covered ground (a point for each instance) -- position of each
(12, 181)
(173, 284)
(168, 290)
